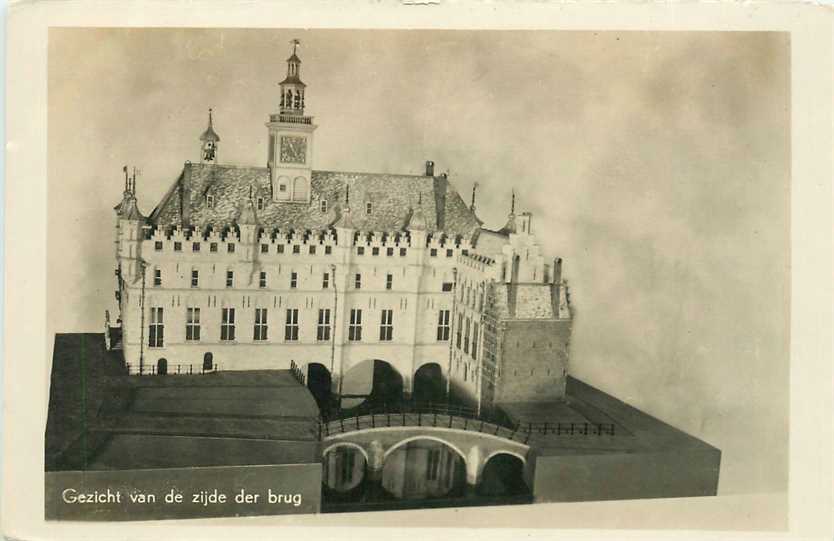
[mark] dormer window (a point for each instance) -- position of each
(210, 201)
(369, 207)
(323, 206)
(260, 203)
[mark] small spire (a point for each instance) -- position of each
(127, 181)
(512, 203)
(295, 43)
(474, 188)
(210, 110)
(347, 195)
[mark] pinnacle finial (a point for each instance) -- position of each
(474, 188)
(512, 203)
(210, 111)
(295, 43)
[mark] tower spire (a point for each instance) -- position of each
(512, 203)
(208, 141)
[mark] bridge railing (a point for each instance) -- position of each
(459, 417)
(151, 369)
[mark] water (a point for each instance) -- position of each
(421, 473)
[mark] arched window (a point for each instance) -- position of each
(289, 98)
(297, 102)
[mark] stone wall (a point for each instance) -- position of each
(533, 360)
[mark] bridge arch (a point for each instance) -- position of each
(406, 441)
(345, 444)
(504, 473)
(343, 473)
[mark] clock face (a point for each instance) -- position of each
(293, 149)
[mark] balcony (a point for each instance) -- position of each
(291, 119)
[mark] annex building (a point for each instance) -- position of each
(369, 283)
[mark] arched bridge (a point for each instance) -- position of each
(377, 435)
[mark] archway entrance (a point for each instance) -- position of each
(208, 361)
(503, 475)
(318, 382)
(372, 383)
(344, 471)
(162, 366)
(423, 469)
(429, 384)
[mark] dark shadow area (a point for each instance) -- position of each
(503, 475)
(429, 384)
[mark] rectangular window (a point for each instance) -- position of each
(213, 247)
(355, 327)
(210, 201)
(296, 249)
(458, 331)
(475, 341)
(443, 325)
(325, 280)
(260, 324)
(260, 203)
(157, 245)
(447, 286)
(449, 253)
(323, 327)
(291, 328)
(357, 282)
(156, 329)
(402, 252)
(312, 250)
(195, 278)
(157, 277)
(227, 324)
(323, 206)
(386, 326)
(230, 278)
(280, 248)
(195, 246)
(389, 281)
(230, 247)
(177, 246)
(264, 248)
(192, 324)
(375, 250)
(433, 252)
(466, 336)
(328, 250)
(293, 280)
(389, 251)
(360, 250)
(262, 280)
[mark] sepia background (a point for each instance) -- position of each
(656, 164)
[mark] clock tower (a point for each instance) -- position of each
(291, 138)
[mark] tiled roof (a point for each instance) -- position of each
(391, 199)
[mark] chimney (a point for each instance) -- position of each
(429, 168)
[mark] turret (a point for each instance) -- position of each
(208, 143)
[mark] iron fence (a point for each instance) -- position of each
(454, 416)
(170, 370)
